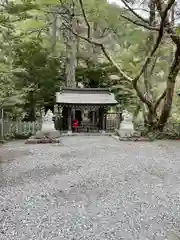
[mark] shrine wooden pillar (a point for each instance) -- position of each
(93, 117)
(59, 118)
(103, 120)
(70, 119)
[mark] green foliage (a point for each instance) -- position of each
(30, 73)
(42, 72)
(104, 75)
(94, 76)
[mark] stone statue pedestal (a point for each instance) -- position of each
(126, 128)
(48, 133)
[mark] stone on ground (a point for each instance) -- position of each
(48, 133)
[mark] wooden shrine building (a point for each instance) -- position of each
(87, 105)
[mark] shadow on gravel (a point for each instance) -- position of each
(36, 175)
(7, 155)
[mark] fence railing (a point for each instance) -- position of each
(21, 128)
(18, 128)
(112, 123)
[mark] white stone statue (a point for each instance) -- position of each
(48, 133)
(126, 127)
(48, 124)
(127, 120)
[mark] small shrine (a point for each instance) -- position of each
(84, 109)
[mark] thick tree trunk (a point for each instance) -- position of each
(70, 42)
(53, 31)
(174, 70)
(149, 115)
(152, 120)
(96, 51)
(77, 49)
(71, 47)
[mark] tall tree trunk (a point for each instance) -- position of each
(171, 79)
(150, 43)
(95, 49)
(71, 47)
(70, 41)
(174, 58)
(153, 121)
(77, 47)
(53, 32)
(149, 116)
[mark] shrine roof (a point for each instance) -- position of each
(88, 96)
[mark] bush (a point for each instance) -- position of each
(22, 135)
(10, 136)
(171, 131)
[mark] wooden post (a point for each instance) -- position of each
(100, 118)
(59, 118)
(73, 111)
(103, 122)
(93, 117)
(69, 119)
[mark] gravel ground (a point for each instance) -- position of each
(90, 188)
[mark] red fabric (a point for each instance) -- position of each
(75, 123)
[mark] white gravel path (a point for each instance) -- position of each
(92, 188)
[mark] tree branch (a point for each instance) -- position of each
(159, 99)
(85, 19)
(115, 64)
(153, 65)
(103, 50)
(139, 24)
(171, 79)
(38, 31)
(169, 29)
(133, 11)
(148, 59)
(157, 43)
(104, 32)
(121, 72)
